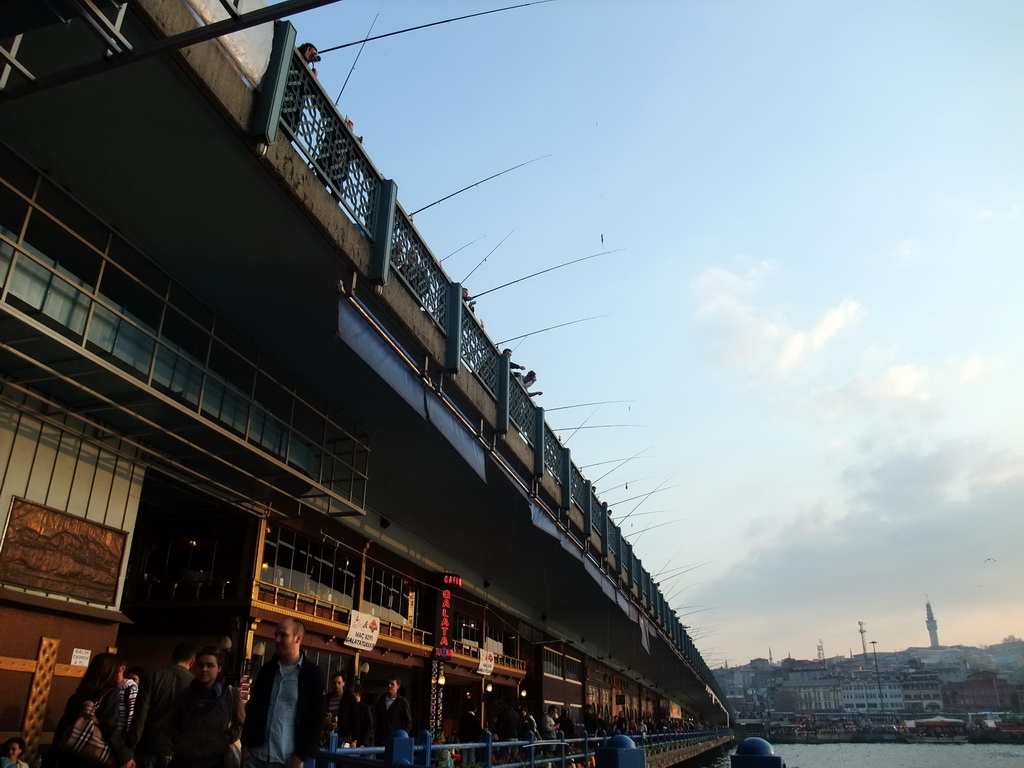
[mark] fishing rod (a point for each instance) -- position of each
(684, 569)
(652, 528)
(597, 463)
(642, 496)
(453, 194)
(551, 328)
(581, 425)
(602, 426)
(360, 53)
(583, 405)
(459, 249)
(656, 511)
(626, 484)
(624, 462)
(681, 569)
(485, 258)
(634, 509)
(549, 269)
(665, 567)
(432, 24)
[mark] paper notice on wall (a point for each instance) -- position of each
(486, 665)
(80, 657)
(363, 631)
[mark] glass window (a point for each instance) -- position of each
(315, 568)
(467, 630)
(552, 663)
(573, 668)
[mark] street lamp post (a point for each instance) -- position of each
(878, 676)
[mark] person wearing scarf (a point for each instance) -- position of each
(207, 716)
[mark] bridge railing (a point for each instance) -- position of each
(312, 122)
(523, 753)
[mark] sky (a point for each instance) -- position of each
(811, 301)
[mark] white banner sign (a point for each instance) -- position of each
(363, 631)
(486, 665)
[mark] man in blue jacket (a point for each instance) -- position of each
(287, 706)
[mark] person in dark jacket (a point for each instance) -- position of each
(392, 713)
(158, 690)
(566, 725)
(341, 705)
(207, 716)
(99, 686)
(287, 706)
(363, 732)
(470, 732)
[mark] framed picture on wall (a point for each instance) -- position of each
(52, 551)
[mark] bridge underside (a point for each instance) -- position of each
(148, 150)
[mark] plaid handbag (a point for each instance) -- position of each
(85, 741)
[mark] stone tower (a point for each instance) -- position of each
(931, 623)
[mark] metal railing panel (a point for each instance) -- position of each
(312, 121)
(411, 258)
(553, 454)
(478, 353)
(521, 410)
(577, 486)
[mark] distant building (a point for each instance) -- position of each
(980, 692)
(931, 624)
(811, 696)
(922, 692)
(862, 696)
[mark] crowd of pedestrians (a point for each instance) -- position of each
(186, 715)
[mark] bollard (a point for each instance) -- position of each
(620, 752)
(398, 751)
(756, 753)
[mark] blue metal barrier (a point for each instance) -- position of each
(525, 753)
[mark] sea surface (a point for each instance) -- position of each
(894, 756)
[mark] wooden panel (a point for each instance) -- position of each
(11, 664)
(39, 693)
(68, 670)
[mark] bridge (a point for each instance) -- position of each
(215, 307)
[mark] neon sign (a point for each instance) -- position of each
(442, 637)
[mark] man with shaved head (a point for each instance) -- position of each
(287, 706)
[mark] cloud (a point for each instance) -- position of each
(906, 250)
(973, 370)
(739, 333)
(802, 343)
(1007, 214)
(915, 520)
(736, 333)
(901, 382)
(896, 385)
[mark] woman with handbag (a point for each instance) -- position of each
(87, 734)
(206, 719)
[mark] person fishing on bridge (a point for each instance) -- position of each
(512, 366)
(527, 381)
(310, 55)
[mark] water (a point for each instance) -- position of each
(895, 756)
